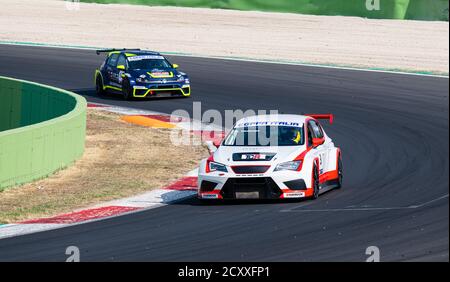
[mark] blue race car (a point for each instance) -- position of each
(136, 73)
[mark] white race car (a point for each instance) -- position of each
(272, 157)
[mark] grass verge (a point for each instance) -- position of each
(120, 160)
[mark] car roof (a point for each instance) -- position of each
(274, 119)
(142, 52)
(135, 52)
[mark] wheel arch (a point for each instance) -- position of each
(97, 74)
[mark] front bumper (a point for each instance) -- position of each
(275, 185)
(161, 90)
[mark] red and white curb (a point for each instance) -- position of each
(181, 189)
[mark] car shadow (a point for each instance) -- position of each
(90, 92)
(194, 201)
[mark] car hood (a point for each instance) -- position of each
(157, 73)
(236, 155)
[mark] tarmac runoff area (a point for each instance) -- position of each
(417, 46)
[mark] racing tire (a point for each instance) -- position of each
(316, 189)
(127, 91)
(99, 86)
(340, 174)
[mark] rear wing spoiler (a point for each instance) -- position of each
(329, 117)
(98, 52)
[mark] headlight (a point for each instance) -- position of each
(141, 78)
(180, 78)
(293, 165)
(213, 166)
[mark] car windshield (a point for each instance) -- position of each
(148, 63)
(265, 136)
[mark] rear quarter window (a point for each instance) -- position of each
(112, 61)
(317, 130)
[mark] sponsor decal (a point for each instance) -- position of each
(115, 84)
(268, 123)
(160, 73)
(120, 76)
(145, 57)
(209, 196)
(253, 156)
(294, 195)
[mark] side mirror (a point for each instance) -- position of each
(121, 67)
(175, 66)
(318, 141)
(217, 142)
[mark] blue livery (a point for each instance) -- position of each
(136, 73)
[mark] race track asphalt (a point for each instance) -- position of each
(393, 130)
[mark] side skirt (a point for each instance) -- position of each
(328, 185)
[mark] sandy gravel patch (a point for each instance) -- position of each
(411, 45)
(120, 160)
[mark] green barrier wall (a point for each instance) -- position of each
(388, 9)
(42, 129)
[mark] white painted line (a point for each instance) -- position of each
(298, 209)
(193, 172)
(19, 229)
(124, 110)
(12, 230)
(152, 199)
